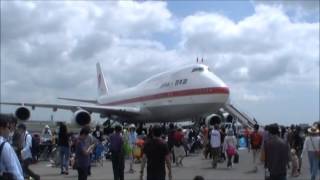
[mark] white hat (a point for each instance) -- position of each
(313, 130)
(132, 126)
(47, 126)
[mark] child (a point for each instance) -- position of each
(295, 163)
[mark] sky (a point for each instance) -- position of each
(266, 52)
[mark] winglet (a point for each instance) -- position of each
(102, 85)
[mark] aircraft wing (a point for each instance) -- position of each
(79, 100)
(108, 110)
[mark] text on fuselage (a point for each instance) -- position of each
(177, 82)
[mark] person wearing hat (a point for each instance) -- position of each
(46, 138)
(311, 147)
(10, 167)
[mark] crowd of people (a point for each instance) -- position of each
(157, 148)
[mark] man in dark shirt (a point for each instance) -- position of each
(277, 154)
(82, 154)
(156, 155)
(117, 154)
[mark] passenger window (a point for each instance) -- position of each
(197, 69)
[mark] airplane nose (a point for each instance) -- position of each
(227, 90)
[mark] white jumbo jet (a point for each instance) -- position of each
(172, 96)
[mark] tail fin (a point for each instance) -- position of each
(102, 85)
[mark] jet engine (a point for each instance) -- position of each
(213, 119)
(82, 117)
(22, 113)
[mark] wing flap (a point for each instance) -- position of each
(79, 100)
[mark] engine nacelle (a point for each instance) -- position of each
(212, 120)
(22, 113)
(82, 117)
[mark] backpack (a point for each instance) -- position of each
(34, 146)
(178, 139)
(231, 150)
(256, 140)
(5, 175)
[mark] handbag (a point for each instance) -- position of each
(317, 152)
(231, 150)
(236, 158)
(262, 155)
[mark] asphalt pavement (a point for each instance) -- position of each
(193, 165)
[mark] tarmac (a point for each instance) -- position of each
(193, 165)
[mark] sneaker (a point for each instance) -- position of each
(255, 170)
(214, 165)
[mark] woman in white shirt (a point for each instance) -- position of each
(230, 146)
(312, 147)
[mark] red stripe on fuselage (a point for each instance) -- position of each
(189, 92)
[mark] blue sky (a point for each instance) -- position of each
(237, 10)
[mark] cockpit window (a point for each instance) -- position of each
(197, 69)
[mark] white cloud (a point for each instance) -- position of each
(132, 19)
(267, 43)
(49, 49)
